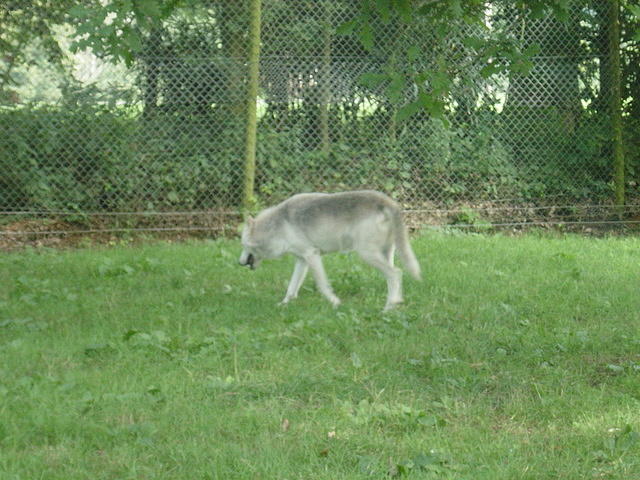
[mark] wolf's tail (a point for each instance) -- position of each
(404, 247)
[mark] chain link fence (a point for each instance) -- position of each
(92, 146)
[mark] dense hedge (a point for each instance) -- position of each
(100, 161)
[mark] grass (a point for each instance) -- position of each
(514, 358)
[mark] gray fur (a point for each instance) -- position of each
(310, 224)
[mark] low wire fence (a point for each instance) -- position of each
(89, 146)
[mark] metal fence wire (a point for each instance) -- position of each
(96, 146)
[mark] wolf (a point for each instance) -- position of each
(308, 225)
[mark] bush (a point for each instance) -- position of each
(59, 161)
(90, 160)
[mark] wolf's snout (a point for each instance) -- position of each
(249, 261)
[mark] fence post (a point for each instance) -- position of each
(616, 104)
(325, 87)
(253, 61)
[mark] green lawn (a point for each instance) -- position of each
(514, 358)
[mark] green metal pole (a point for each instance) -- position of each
(248, 198)
(325, 92)
(616, 104)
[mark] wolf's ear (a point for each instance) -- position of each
(250, 222)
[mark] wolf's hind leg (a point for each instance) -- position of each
(317, 269)
(299, 273)
(390, 253)
(382, 260)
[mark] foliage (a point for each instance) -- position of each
(119, 161)
(114, 162)
(461, 162)
(631, 88)
(36, 140)
(634, 13)
(433, 85)
(131, 22)
(175, 140)
(23, 23)
(122, 36)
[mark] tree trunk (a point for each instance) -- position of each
(253, 60)
(325, 82)
(616, 103)
(233, 17)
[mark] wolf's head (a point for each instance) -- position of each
(251, 251)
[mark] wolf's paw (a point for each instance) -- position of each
(391, 305)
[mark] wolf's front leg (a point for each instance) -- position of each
(299, 274)
(317, 269)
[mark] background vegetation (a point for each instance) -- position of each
(448, 102)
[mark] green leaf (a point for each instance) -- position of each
(473, 42)
(132, 40)
(372, 79)
(627, 439)
(406, 10)
(413, 52)
(432, 7)
(366, 36)
(107, 30)
(537, 10)
(130, 333)
(384, 9)
(431, 421)
(125, 54)
(404, 467)
(408, 110)
(79, 11)
(434, 106)
(440, 82)
(532, 50)
(561, 11)
(347, 28)
(635, 10)
(522, 67)
(491, 69)
(148, 8)
(397, 87)
(456, 8)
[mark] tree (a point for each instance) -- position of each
(192, 53)
(557, 44)
(433, 85)
(630, 24)
(22, 23)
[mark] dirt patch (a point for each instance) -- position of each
(58, 233)
(34, 233)
(111, 228)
